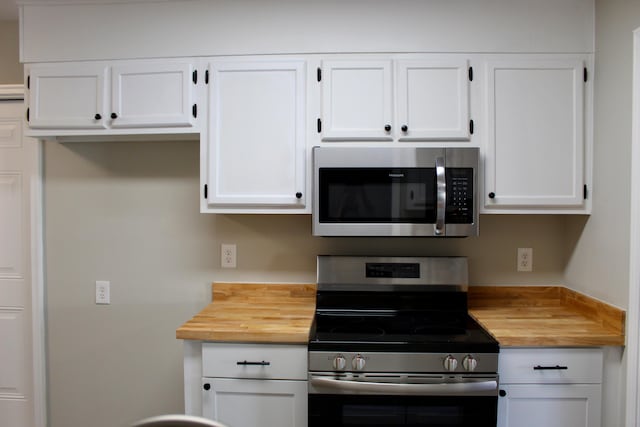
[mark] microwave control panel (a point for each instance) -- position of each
(459, 208)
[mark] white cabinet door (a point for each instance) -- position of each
(256, 143)
(252, 403)
(536, 405)
(67, 96)
(152, 94)
(356, 100)
(432, 99)
(535, 143)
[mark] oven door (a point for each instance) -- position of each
(402, 400)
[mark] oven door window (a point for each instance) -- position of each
(377, 195)
(396, 411)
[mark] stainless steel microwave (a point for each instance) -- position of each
(360, 191)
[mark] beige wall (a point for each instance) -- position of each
(599, 264)
(128, 213)
(10, 67)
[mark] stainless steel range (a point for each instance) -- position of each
(393, 345)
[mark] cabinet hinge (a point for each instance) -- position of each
(319, 125)
(194, 77)
(586, 75)
(470, 74)
(27, 114)
(28, 82)
(194, 111)
(585, 192)
(319, 74)
(206, 77)
(471, 126)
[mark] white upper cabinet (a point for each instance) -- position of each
(67, 96)
(255, 151)
(535, 152)
(424, 99)
(156, 94)
(97, 98)
(356, 100)
(432, 99)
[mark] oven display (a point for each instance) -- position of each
(393, 270)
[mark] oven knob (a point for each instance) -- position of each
(469, 363)
(339, 363)
(358, 363)
(450, 363)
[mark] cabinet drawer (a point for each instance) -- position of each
(550, 365)
(261, 361)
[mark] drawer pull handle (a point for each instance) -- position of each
(262, 363)
(543, 368)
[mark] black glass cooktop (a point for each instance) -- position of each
(402, 322)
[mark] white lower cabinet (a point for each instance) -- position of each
(249, 385)
(250, 403)
(551, 387)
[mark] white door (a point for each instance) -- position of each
(535, 147)
(68, 96)
(18, 165)
(357, 100)
(432, 99)
(253, 403)
(152, 94)
(256, 143)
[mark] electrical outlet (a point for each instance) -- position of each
(525, 259)
(103, 292)
(228, 255)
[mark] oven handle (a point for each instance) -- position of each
(441, 196)
(478, 388)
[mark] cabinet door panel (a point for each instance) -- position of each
(549, 405)
(152, 95)
(433, 100)
(67, 96)
(535, 151)
(257, 142)
(251, 403)
(356, 100)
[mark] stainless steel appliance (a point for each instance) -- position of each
(393, 345)
(395, 191)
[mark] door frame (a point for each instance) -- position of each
(17, 93)
(633, 313)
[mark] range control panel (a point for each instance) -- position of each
(327, 361)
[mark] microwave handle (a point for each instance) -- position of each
(441, 196)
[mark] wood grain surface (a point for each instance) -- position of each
(545, 316)
(254, 312)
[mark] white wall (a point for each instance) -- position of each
(599, 263)
(224, 27)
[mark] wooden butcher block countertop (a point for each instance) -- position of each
(254, 312)
(545, 316)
